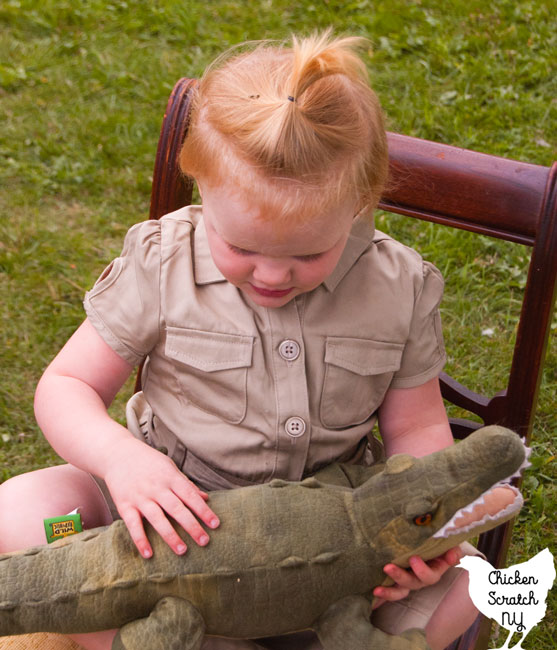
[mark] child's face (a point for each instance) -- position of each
(271, 265)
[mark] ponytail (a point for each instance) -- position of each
(303, 113)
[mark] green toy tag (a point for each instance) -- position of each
(58, 527)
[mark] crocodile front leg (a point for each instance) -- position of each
(174, 624)
(346, 624)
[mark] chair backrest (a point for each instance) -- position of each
(505, 199)
(485, 194)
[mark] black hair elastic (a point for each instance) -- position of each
(291, 99)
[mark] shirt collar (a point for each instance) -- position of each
(206, 271)
(359, 240)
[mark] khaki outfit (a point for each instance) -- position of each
(239, 394)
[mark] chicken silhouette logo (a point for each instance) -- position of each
(515, 597)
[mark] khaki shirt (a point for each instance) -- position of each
(240, 393)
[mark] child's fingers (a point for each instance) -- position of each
(134, 524)
(453, 556)
(188, 487)
(195, 500)
(159, 492)
(156, 516)
(420, 574)
(403, 578)
(428, 573)
(176, 509)
(391, 593)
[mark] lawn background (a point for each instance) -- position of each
(83, 87)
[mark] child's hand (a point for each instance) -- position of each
(145, 483)
(420, 574)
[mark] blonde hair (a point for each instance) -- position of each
(297, 126)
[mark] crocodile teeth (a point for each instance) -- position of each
(452, 527)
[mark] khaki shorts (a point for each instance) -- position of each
(393, 618)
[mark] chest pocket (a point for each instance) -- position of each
(212, 370)
(357, 375)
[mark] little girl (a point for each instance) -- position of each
(275, 324)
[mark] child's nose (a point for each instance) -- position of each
(270, 273)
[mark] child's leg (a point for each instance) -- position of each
(445, 626)
(27, 499)
(444, 610)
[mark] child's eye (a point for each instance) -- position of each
(309, 258)
(239, 251)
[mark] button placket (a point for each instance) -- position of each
(291, 390)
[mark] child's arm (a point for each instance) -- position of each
(71, 408)
(414, 421)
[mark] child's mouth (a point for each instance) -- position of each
(272, 293)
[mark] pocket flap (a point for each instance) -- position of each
(363, 356)
(209, 351)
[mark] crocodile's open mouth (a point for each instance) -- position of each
(493, 505)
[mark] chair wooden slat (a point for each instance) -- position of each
(171, 189)
(465, 189)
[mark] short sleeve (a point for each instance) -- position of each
(124, 303)
(424, 352)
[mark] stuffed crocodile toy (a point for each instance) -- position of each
(287, 557)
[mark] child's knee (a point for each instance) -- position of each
(17, 521)
(27, 499)
(15, 494)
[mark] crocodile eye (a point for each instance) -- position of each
(423, 520)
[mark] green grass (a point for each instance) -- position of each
(83, 86)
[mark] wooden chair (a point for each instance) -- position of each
(485, 194)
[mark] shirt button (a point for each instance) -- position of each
(295, 427)
(289, 350)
